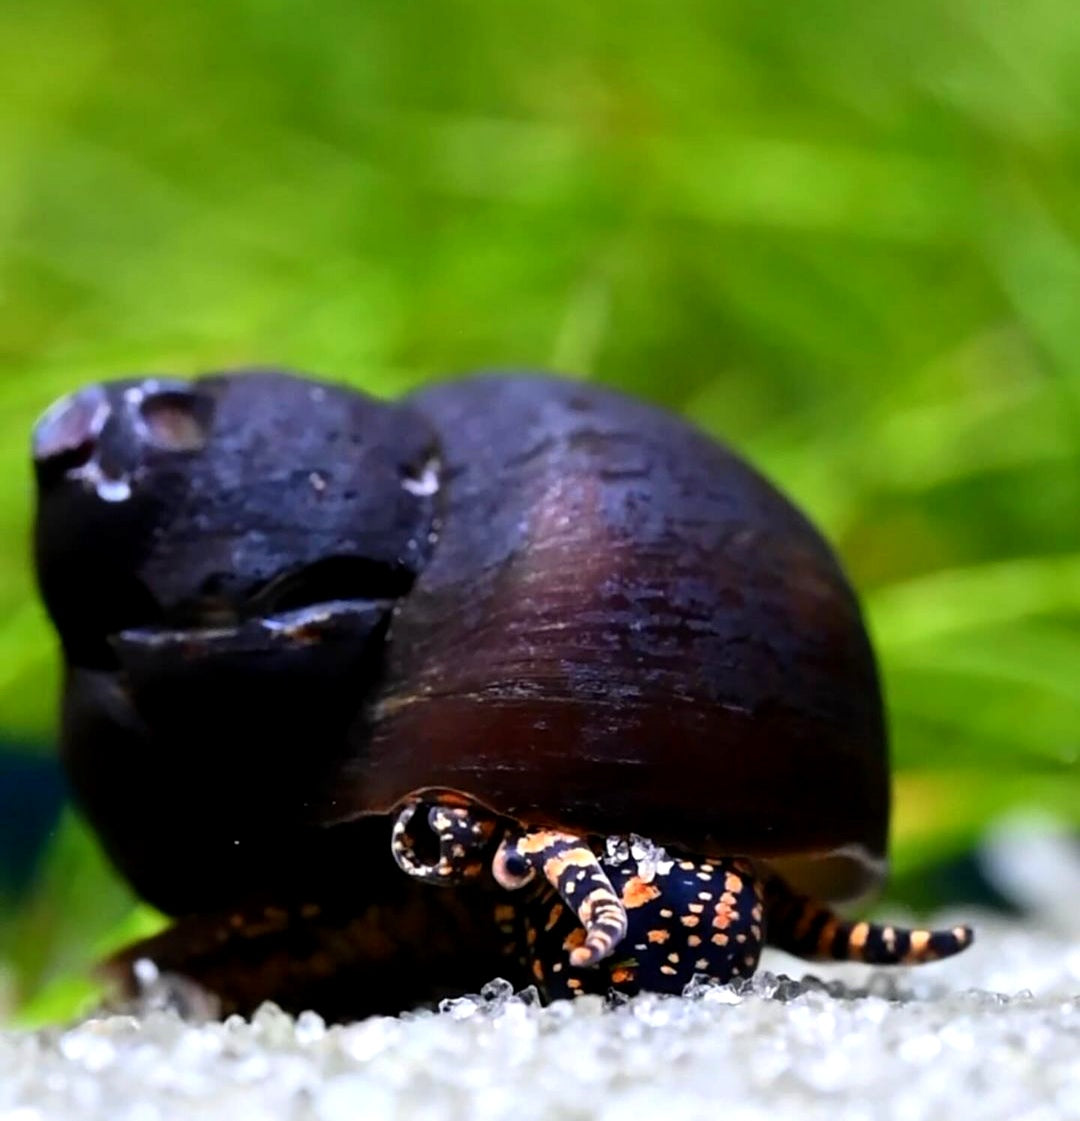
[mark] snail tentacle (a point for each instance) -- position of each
(570, 866)
(461, 836)
(813, 931)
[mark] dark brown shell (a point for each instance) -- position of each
(625, 628)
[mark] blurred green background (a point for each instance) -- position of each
(844, 236)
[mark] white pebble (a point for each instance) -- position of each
(993, 1034)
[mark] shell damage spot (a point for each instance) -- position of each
(422, 483)
(112, 490)
(176, 420)
(67, 431)
(67, 442)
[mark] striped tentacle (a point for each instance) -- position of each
(460, 838)
(811, 930)
(570, 866)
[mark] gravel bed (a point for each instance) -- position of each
(994, 1033)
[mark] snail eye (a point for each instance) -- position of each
(511, 868)
(516, 865)
(177, 420)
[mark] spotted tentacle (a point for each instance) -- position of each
(570, 866)
(809, 929)
(455, 849)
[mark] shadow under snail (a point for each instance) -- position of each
(490, 636)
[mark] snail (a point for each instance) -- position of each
(486, 635)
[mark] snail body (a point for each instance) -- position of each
(541, 611)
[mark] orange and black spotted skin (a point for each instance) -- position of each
(589, 922)
(689, 917)
(578, 876)
(458, 837)
(594, 923)
(808, 929)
